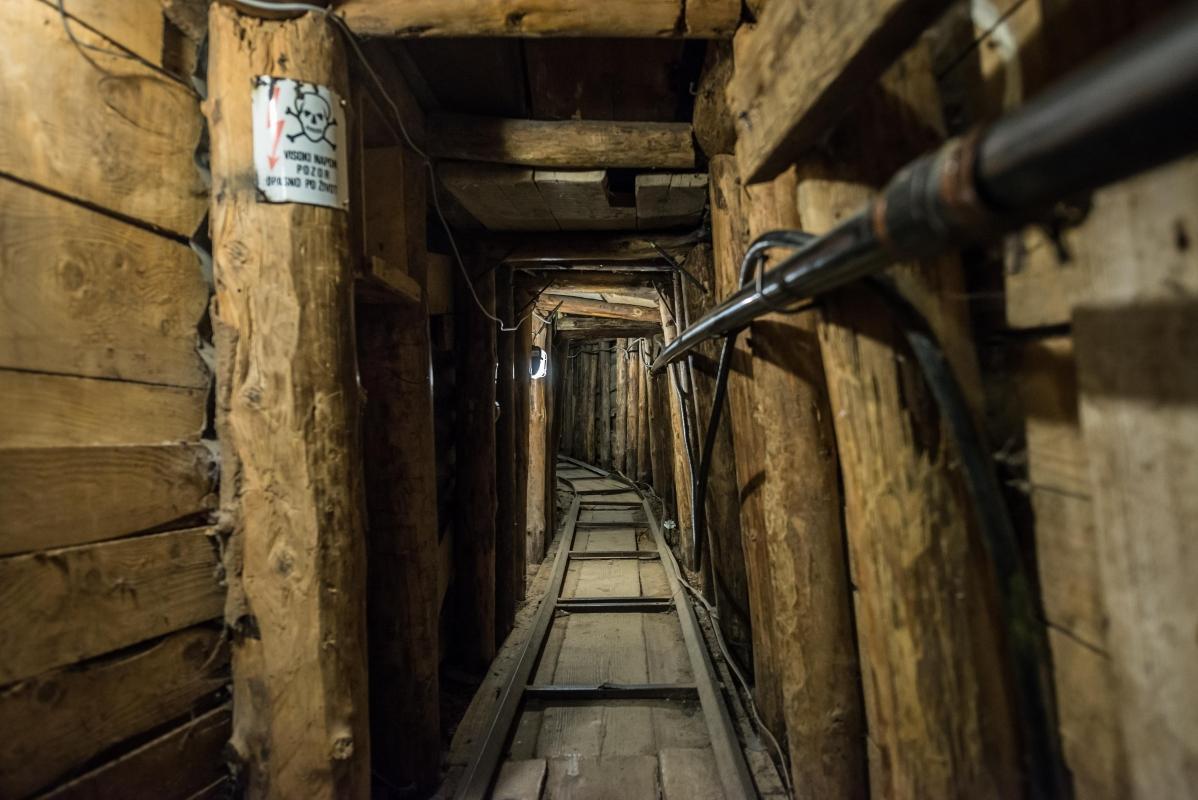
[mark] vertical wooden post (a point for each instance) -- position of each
(523, 408)
(661, 438)
(805, 538)
(505, 456)
(620, 443)
(288, 416)
(632, 404)
(401, 500)
(474, 536)
(931, 644)
(682, 472)
(729, 234)
(538, 444)
(591, 412)
(604, 423)
(643, 448)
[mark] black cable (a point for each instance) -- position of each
(1026, 633)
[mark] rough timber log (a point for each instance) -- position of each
(556, 18)
(683, 490)
(287, 412)
(569, 144)
(586, 307)
(805, 538)
(729, 240)
(538, 442)
(505, 454)
(474, 530)
(803, 65)
(403, 606)
(940, 725)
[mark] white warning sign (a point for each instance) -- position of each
(299, 142)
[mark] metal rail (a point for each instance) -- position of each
(479, 777)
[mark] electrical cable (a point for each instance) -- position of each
(262, 5)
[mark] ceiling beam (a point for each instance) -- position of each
(597, 328)
(589, 248)
(580, 144)
(802, 66)
(701, 19)
(583, 307)
(599, 282)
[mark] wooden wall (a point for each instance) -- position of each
(113, 669)
(1076, 355)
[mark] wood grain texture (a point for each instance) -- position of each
(56, 410)
(730, 235)
(538, 447)
(534, 18)
(125, 142)
(683, 488)
(805, 535)
(136, 25)
(668, 201)
(287, 415)
(1134, 338)
(59, 496)
(580, 201)
(396, 212)
(934, 671)
(474, 642)
(600, 248)
(403, 602)
(800, 68)
(84, 294)
(70, 715)
(712, 119)
(598, 328)
(500, 197)
(581, 144)
(60, 606)
(174, 766)
(582, 306)
(505, 454)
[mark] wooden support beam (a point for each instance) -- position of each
(944, 720)
(643, 471)
(583, 307)
(607, 407)
(668, 201)
(661, 439)
(805, 537)
(287, 413)
(620, 427)
(597, 328)
(505, 454)
(801, 67)
(683, 490)
(722, 501)
(638, 285)
(538, 448)
(577, 144)
(593, 248)
(579, 200)
(730, 236)
(475, 535)
(712, 120)
(523, 397)
(403, 601)
(703, 19)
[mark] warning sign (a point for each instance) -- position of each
(299, 143)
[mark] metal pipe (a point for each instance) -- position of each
(1135, 109)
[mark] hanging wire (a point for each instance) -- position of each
(262, 5)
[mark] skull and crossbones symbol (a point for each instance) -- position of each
(314, 116)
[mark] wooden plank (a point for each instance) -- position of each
(476, 501)
(667, 201)
(943, 721)
(1135, 345)
(59, 496)
(68, 716)
(502, 198)
(587, 778)
(597, 328)
(730, 234)
(689, 774)
(538, 447)
(174, 766)
(395, 214)
(581, 144)
(124, 143)
(84, 294)
(521, 780)
(592, 248)
(288, 418)
(712, 119)
(604, 309)
(59, 606)
(579, 200)
(559, 18)
(403, 593)
(136, 25)
(800, 68)
(56, 410)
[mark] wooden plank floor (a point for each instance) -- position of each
(636, 749)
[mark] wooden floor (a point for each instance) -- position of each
(611, 748)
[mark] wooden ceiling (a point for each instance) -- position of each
(623, 80)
